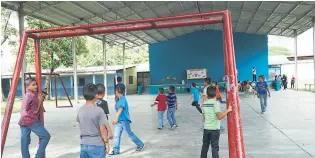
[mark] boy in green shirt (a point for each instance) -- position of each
(211, 116)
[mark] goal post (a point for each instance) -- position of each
(235, 134)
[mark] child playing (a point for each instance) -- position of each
(120, 84)
(218, 96)
(92, 120)
(172, 107)
(29, 120)
(262, 89)
(161, 102)
(211, 117)
(122, 121)
(100, 88)
(195, 97)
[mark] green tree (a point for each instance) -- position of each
(114, 55)
(8, 31)
(278, 50)
(55, 52)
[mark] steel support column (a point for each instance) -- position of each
(124, 67)
(105, 65)
(236, 143)
(75, 74)
(295, 61)
(314, 49)
(21, 29)
(12, 92)
(39, 79)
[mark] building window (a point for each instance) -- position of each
(130, 79)
(81, 81)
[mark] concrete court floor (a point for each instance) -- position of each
(286, 130)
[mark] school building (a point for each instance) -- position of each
(136, 75)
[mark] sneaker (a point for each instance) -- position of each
(262, 112)
(114, 153)
(159, 128)
(173, 127)
(140, 148)
(176, 126)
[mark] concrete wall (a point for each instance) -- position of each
(305, 73)
(204, 49)
(131, 86)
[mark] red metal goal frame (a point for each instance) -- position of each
(235, 134)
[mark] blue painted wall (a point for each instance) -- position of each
(204, 49)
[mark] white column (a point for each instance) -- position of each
(295, 61)
(314, 48)
(124, 67)
(75, 75)
(105, 65)
(71, 83)
(21, 29)
(93, 79)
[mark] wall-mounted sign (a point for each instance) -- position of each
(193, 74)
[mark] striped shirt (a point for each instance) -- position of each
(171, 100)
(210, 108)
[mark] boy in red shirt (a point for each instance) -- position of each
(161, 102)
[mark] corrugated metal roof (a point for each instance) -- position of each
(255, 17)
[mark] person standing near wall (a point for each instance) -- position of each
(120, 84)
(254, 74)
(285, 81)
(292, 81)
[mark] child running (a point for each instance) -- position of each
(122, 121)
(211, 117)
(29, 120)
(100, 88)
(218, 96)
(161, 102)
(262, 89)
(92, 120)
(195, 97)
(172, 107)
